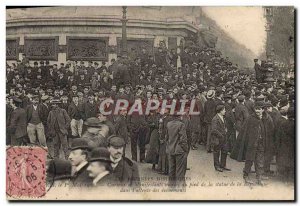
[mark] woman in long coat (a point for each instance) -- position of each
(152, 153)
(163, 163)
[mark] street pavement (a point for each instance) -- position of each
(202, 178)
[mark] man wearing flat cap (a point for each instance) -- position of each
(96, 132)
(123, 168)
(219, 139)
(250, 144)
(100, 169)
(35, 119)
(79, 160)
(58, 123)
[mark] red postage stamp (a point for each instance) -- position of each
(26, 171)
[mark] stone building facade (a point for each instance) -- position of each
(59, 34)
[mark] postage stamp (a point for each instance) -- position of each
(25, 172)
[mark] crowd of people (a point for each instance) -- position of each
(57, 106)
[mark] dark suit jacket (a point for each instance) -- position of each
(90, 110)
(61, 117)
(106, 180)
(209, 110)
(18, 123)
(42, 111)
(176, 136)
(121, 127)
(75, 112)
(218, 130)
(81, 178)
(127, 172)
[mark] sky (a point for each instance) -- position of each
(244, 24)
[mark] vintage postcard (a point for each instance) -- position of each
(150, 103)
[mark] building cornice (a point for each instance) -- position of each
(107, 21)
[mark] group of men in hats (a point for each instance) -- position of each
(96, 166)
(64, 107)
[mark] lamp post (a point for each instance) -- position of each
(269, 70)
(124, 33)
(268, 13)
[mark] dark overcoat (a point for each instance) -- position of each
(241, 114)
(61, 117)
(81, 178)
(285, 136)
(18, 123)
(269, 135)
(127, 172)
(247, 141)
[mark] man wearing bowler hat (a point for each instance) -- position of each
(79, 160)
(58, 123)
(123, 168)
(100, 169)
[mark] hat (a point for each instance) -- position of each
(268, 104)
(55, 101)
(93, 122)
(35, 96)
(241, 98)
(115, 141)
(210, 94)
(274, 101)
(219, 107)
(100, 154)
(227, 96)
(16, 99)
(283, 102)
(79, 143)
(59, 169)
(259, 104)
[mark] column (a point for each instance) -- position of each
(62, 57)
(112, 42)
(21, 42)
(178, 51)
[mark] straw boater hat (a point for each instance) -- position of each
(210, 94)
